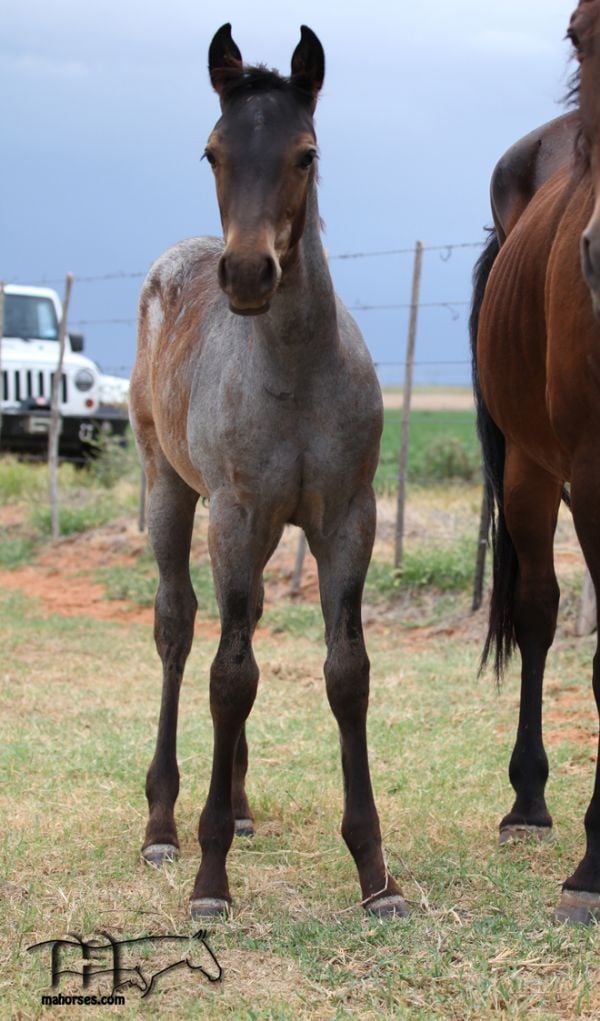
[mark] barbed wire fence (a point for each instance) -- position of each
(454, 307)
(445, 251)
(408, 364)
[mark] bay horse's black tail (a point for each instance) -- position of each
(501, 630)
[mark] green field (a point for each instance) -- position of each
(80, 697)
(443, 447)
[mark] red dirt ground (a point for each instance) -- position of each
(63, 578)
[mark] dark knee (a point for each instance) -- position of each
(174, 614)
(233, 677)
(347, 679)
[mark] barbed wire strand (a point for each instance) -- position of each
(447, 251)
(449, 305)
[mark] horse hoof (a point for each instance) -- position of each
(388, 907)
(579, 907)
(244, 828)
(157, 854)
(209, 907)
(513, 834)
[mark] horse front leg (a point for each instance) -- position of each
(342, 562)
(170, 525)
(243, 818)
(242, 814)
(238, 557)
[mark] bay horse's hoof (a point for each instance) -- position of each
(209, 907)
(158, 854)
(244, 828)
(513, 834)
(579, 907)
(393, 906)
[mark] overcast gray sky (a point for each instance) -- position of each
(107, 107)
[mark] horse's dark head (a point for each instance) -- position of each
(584, 32)
(262, 152)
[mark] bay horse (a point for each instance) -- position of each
(535, 333)
(254, 389)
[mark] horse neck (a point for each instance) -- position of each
(303, 311)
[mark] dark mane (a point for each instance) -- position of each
(571, 101)
(258, 78)
(571, 98)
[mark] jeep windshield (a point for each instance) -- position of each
(29, 317)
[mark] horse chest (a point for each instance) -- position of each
(302, 458)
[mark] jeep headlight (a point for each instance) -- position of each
(84, 380)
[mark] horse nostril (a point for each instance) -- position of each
(222, 273)
(585, 254)
(267, 276)
(590, 257)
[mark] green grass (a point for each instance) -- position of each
(19, 480)
(91, 514)
(138, 582)
(443, 446)
(446, 568)
(16, 551)
(89, 498)
(80, 699)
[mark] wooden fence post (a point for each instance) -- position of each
(586, 623)
(54, 429)
(405, 422)
(482, 541)
(297, 573)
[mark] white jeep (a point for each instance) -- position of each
(90, 403)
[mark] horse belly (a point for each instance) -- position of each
(512, 340)
(573, 362)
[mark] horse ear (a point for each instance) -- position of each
(308, 64)
(224, 58)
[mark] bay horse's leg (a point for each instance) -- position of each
(531, 502)
(238, 554)
(170, 525)
(343, 560)
(580, 901)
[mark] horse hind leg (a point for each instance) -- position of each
(531, 502)
(170, 525)
(580, 899)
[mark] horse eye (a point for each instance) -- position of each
(208, 156)
(307, 158)
(572, 35)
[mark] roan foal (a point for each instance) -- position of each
(253, 388)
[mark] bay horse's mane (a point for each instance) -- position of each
(571, 99)
(581, 152)
(258, 78)
(573, 96)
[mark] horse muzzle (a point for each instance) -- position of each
(249, 279)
